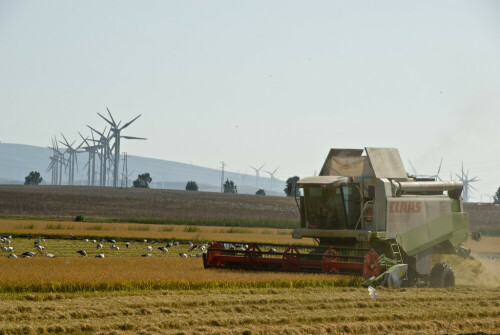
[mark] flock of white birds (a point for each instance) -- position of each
(40, 249)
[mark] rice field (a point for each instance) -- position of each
(128, 231)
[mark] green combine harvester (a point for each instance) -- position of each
(367, 218)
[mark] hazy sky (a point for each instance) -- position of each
(261, 82)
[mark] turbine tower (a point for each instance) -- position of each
(272, 176)
(257, 173)
(116, 129)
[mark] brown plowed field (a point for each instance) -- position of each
(109, 202)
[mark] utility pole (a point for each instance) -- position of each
(222, 177)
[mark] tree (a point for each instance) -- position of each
(229, 187)
(496, 197)
(33, 178)
(191, 186)
(143, 180)
(260, 192)
(290, 186)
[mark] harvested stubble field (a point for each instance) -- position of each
(256, 311)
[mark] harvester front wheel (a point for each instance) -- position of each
(442, 275)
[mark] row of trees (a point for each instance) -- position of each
(143, 181)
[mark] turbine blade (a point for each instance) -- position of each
(128, 123)
(111, 116)
(96, 131)
(65, 140)
(413, 168)
(439, 169)
(133, 138)
(276, 170)
(112, 125)
(84, 138)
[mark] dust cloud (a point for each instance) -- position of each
(476, 270)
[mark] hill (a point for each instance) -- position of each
(17, 160)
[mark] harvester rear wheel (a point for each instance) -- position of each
(442, 275)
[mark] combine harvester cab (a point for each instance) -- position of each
(368, 218)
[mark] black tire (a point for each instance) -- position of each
(442, 275)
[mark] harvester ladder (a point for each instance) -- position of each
(396, 252)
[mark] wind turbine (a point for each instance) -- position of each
(56, 162)
(92, 150)
(436, 176)
(72, 158)
(104, 154)
(116, 129)
(257, 173)
(464, 178)
(272, 176)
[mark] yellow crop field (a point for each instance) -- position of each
(67, 229)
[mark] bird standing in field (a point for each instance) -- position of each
(82, 252)
(183, 255)
(127, 244)
(149, 248)
(100, 255)
(147, 255)
(99, 246)
(163, 249)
